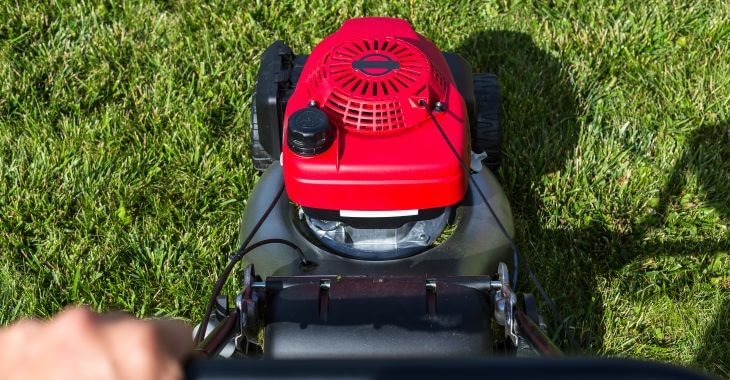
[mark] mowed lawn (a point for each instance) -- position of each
(124, 166)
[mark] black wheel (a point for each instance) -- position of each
(488, 134)
(259, 155)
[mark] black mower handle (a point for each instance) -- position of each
(422, 369)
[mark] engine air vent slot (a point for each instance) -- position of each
(364, 83)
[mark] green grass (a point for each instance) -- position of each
(124, 167)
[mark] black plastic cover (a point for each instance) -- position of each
(278, 74)
(356, 317)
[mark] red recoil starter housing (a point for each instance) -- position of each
(385, 154)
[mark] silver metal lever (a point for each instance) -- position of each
(505, 302)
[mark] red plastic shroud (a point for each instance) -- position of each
(369, 77)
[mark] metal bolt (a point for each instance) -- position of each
(312, 103)
(439, 106)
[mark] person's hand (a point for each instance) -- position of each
(80, 344)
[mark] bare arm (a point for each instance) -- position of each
(81, 344)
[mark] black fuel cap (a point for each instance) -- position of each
(309, 132)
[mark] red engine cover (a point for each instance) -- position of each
(387, 155)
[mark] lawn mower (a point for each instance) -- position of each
(378, 228)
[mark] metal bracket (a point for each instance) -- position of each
(247, 303)
(505, 302)
(476, 161)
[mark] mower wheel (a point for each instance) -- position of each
(488, 134)
(259, 155)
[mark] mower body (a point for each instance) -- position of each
(400, 247)
(475, 246)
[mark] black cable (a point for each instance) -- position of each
(237, 257)
(467, 170)
(515, 249)
(242, 250)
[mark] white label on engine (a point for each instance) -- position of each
(376, 214)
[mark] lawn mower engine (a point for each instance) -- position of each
(367, 235)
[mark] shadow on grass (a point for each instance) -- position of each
(541, 131)
(707, 157)
(715, 353)
(705, 160)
